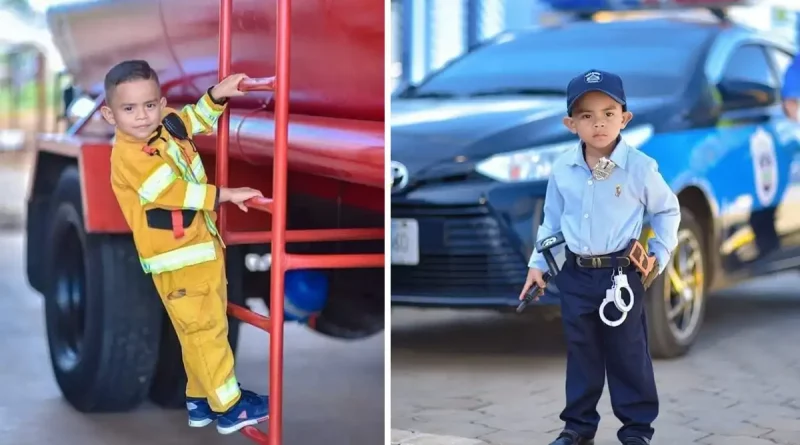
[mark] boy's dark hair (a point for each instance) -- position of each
(127, 71)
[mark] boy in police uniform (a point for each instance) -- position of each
(160, 184)
(599, 206)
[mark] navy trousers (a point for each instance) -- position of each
(595, 350)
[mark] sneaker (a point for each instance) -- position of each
(200, 413)
(569, 437)
(249, 410)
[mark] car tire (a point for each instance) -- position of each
(668, 337)
(101, 310)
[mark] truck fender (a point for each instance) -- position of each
(100, 209)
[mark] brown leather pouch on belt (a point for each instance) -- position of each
(647, 265)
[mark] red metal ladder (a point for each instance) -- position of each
(278, 236)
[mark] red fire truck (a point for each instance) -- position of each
(310, 136)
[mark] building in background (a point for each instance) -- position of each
(426, 34)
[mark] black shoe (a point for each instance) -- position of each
(636, 441)
(572, 438)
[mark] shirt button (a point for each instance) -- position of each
(590, 182)
(585, 215)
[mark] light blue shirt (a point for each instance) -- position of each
(601, 217)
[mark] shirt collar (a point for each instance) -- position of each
(619, 156)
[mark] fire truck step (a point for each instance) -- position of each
(258, 84)
(263, 204)
(249, 317)
(346, 261)
(255, 434)
(305, 236)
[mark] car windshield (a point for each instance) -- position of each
(651, 61)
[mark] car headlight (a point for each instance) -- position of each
(535, 163)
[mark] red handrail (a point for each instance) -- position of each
(278, 236)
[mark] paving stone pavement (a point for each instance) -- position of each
(499, 378)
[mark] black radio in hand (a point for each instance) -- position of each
(544, 246)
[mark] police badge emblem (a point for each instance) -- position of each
(603, 169)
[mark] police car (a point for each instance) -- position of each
(472, 147)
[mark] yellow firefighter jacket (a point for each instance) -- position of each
(162, 189)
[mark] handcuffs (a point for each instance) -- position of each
(614, 294)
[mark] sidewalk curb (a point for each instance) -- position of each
(404, 437)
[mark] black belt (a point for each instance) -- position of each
(600, 262)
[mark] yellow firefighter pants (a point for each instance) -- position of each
(195, 298)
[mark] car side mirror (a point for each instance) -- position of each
(740, 94)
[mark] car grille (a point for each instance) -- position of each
(464, 251)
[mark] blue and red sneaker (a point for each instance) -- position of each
(249, 410)
(200, 413)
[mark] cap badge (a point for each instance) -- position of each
(593, 77)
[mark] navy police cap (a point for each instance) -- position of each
(595, 80)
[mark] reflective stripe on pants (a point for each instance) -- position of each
(180, 258)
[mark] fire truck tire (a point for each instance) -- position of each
(672, 338)
(353, 311)
(169, 383)
(101, 310)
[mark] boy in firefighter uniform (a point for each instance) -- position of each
(596, 197)
(160, 184)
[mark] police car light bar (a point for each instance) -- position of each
(636, 5)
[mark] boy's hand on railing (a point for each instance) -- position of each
(238, 196)
(229, 87)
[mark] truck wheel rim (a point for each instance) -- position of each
(684, 286)
(70, 300)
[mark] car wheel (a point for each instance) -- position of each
(676, 301)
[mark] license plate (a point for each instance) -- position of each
(405, 242)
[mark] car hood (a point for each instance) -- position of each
(450, 127)
(431, 132)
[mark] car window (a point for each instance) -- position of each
(546, 59)
(749, 63)
(781, 61)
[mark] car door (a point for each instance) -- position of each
(755, 181)
(787, 138)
